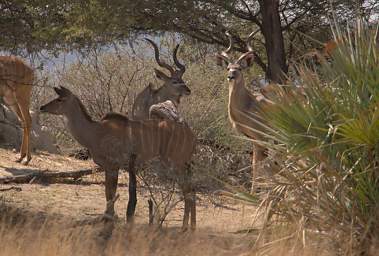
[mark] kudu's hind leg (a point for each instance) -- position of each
(111, 179)
(23, 104)
(132, 190)
(189, 202)
(187, 205)
(20, 106)
(13, 105)
(189, 209)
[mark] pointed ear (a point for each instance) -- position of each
(62, 91)
(65, 91)
(57, 90)
(152, 87)
(221, 60)
(160, 75)
(247, 60)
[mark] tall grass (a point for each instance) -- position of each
(328, 143)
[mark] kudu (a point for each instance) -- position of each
(116, 142)
(16, 81)
(173, 88)
(244, 107)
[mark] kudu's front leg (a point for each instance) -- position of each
(193, 208)
(132, 190)
(258, 157)
(111, 179)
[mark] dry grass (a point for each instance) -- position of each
(28, 233)
(55, 219)
(61, 219)
(31, 233)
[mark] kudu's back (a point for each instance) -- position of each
(174, 143)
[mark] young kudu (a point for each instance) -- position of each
(16, 81)
(116, 142)
(173, 88)
(243, 107)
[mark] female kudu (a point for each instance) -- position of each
(116, 142)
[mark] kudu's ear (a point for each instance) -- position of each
(64, 92)
(246, 60)
(160, 75)
(57, 90)
(221, 60)
(152, 87)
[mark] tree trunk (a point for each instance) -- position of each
(274, 43)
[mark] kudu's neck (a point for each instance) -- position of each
(164, 93)
(80, 124)
(237, 92)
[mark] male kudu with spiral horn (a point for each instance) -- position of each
(173, 88)
(243, 106)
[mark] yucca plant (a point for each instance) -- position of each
(327, 144)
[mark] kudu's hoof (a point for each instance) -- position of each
(27, 161)
(187, 229)
(130, 221)
(19, 160)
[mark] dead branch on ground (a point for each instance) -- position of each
(46, 176)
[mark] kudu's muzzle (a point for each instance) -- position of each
(187, 91)
(42, 108)
(232, 75)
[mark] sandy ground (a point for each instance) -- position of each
(87, 199)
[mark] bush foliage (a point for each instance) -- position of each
(327, 143)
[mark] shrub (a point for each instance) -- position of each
(327, 145)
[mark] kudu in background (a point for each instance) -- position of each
(16, 81)
(116, 143)
(244, 107)
(173, 86)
